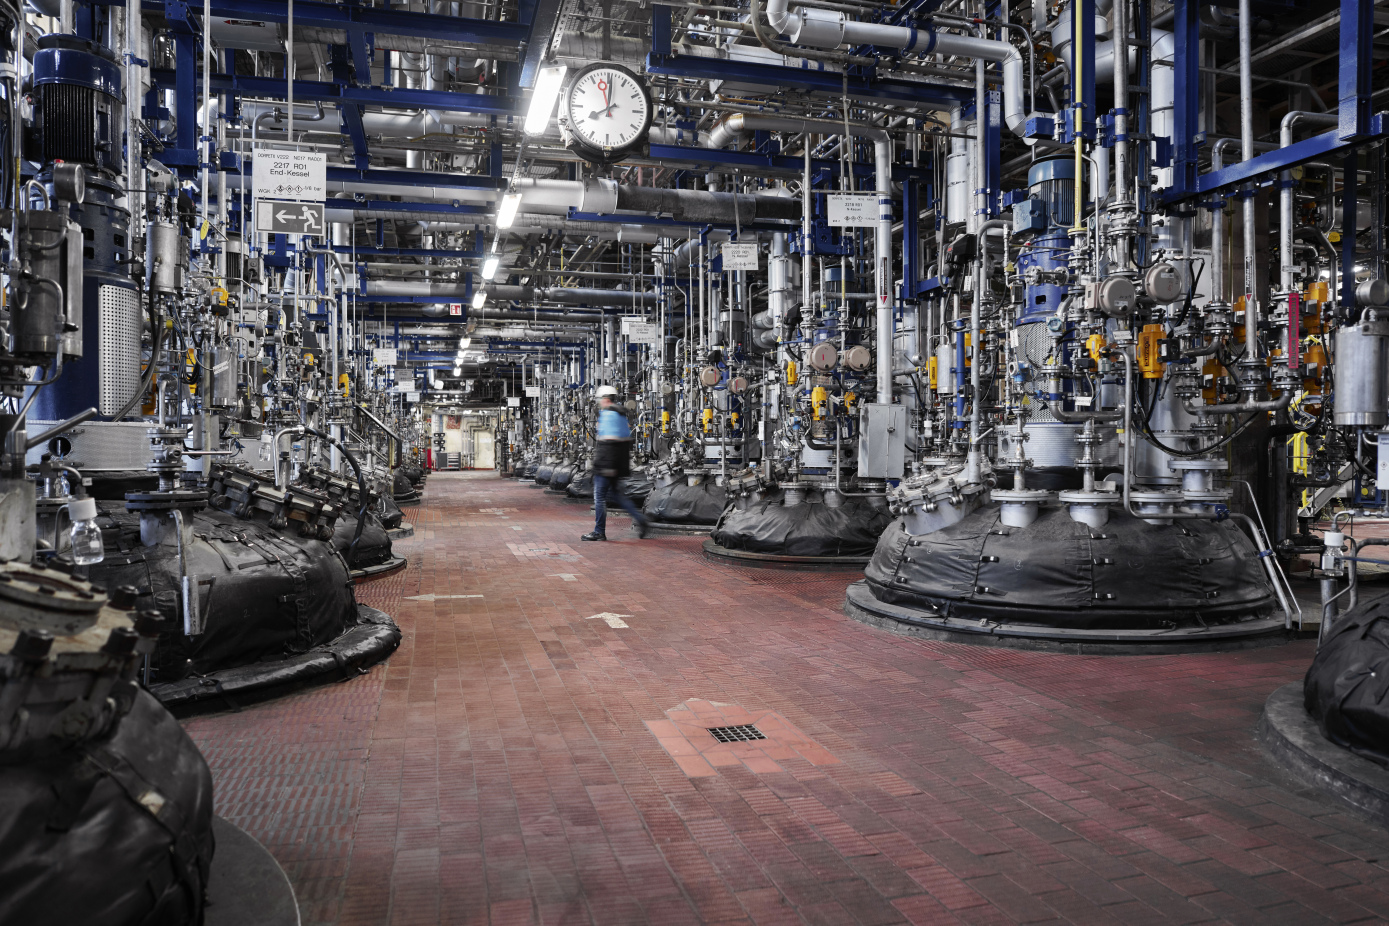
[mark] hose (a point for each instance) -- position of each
(361, 490)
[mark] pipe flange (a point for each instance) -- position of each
(1020, 496)
(1214, 466)
(1082, 497)
(34, 598)
(1207, 496)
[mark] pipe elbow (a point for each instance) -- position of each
(779, 16)
(726, 132)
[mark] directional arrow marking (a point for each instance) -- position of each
(433, 597)
(614, 621)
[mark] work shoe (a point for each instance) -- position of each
(643, 528)
(594, 535)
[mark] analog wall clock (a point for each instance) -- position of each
(606, 112)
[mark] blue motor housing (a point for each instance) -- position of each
(79, 109)
(1047, 251)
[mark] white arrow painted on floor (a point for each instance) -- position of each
(566, 576)
(614, 621)
(433, 597)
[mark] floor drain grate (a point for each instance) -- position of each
(742, 733)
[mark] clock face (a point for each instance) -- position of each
(608, 108)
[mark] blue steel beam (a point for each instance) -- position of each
(317, 91)
(1270, 162)
(310, 14)
(406, 252)
(1357, 61)
(442, 209)
(807, 79)
(1186, 108)
(693, 227)
(751, 160)
(540, 17)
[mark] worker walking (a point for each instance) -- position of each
(611, 461)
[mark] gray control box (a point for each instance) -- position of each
(882, 444)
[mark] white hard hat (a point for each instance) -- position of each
(604, 391)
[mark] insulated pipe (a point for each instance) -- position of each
(1246, 131)
(826, 29)
(1285, 193)
(1121, 116)
(739, 123)
(702, 207)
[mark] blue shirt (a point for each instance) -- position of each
(613, 426)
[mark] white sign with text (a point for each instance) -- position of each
(852, 210)
(299, 175)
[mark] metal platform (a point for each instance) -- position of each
(860, 604)
(394, 564)
(1290, 737)
(715, 553)
(669, 527)
(246, 886)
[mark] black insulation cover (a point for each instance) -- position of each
(374, 547)
(1345, 687)
(1061, 573)
(390, 515)
(811, 528)
(562, 475)
(77, 845)
(680, 503)
(265, 594)
(402, 488)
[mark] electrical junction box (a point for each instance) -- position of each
(1029, 216)
(882, 444)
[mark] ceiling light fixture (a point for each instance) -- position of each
(479, 299)
(489, 267)
(543, 98)
(506, 212)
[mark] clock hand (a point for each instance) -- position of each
(602, 112)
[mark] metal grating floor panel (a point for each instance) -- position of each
(742, 733)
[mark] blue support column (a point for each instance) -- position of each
(1186, 109)
(186, 94)
(1350, 188)
(911, 204)
(1357, 33)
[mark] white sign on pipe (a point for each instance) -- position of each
(740, 255)
(290, 174)
(644, 333)
(533, 392)
(383, 356)
(852, 210)
(513, 401)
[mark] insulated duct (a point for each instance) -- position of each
(412, 289)
(831, 29)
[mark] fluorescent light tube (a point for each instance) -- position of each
(506, 212)
(543, 98)
(489, 267)
(479, 298)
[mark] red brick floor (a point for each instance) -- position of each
(501, 768)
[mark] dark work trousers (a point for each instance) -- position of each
(602, 486)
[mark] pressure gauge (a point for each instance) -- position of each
(606, 112)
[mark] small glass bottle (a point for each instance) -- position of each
(87, 547)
